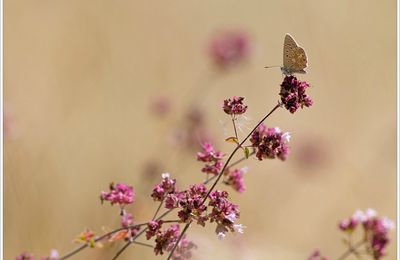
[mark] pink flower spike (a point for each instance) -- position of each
(167, 186)
(270, 143)
(293, 94)
(119, 193)
(234, 106)
(235, 179)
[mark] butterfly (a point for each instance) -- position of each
(294, 57)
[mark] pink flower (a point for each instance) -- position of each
(316, 255)
(161, 105)
(235, 179)
(165, 241)
(376, 230)
(191, 202)
(270, 143)
(120, 193)
(234, 106)
(293, 94)
(166, 187)
(224, 213)
(212, 156)
(229, 48)
(153, 227)
(126, 219)
(25, 256)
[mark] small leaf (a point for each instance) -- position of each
(246, 152)
(232, 139)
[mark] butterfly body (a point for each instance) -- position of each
(294, 57)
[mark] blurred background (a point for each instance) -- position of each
(102, 91)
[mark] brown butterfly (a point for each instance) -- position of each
(294, 57)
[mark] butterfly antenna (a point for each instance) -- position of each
(267, 67)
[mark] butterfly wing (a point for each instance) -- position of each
(294, 56)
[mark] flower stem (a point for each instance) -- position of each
(158, 209)
(231, 165)
(234, 127)
(179, 239)
(351, 250)
(77, 250)
(235, 150)
(222, 171)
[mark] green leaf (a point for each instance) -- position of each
(246, 152)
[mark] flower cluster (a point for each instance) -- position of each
(235, 179)
(166, 240)
(209, 155)
(126, 222)
(166, 187)
(234, 106)
(191, 202)
(229, 48)
(28, 256)
(270, 142)
(293, 94)
(120, 193)
(152, 228)
(224, 213)
(376, 230)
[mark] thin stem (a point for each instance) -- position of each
(128, 243)
(78, 249)
(234, 127)
(122, 250)
(179, 239)
(235, 150)
(222, 172)
(351, 250)
(158, 209)
(231, 165)
(142, 244)
(73, 252)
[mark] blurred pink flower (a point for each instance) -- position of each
(229, 48)
(161, 105)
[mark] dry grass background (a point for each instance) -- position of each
(79, 76)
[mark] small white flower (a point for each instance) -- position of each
(370, 213)
(245, 169)
(359, 216)
(165, 175)
(231, 217)
(277, 129)
(286, 136)
(239, 228)
(54, 254)
(387, 223)
(221, 235)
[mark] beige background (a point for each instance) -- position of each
(79, 77)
